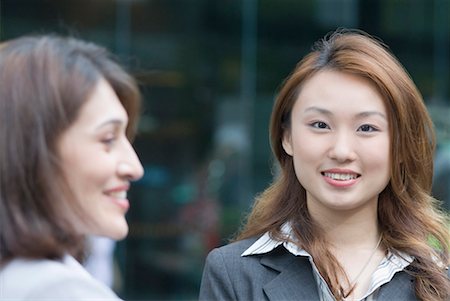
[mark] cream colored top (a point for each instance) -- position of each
(65, 280)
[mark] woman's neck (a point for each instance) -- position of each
(349, 229)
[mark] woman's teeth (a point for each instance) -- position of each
(119, 194)
(340, 176)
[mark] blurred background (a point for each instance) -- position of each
(209, 71)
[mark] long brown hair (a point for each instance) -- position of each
(44, 81)
(407, 213)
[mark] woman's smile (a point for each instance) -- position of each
(340, 178)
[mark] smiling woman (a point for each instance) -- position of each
(350, 216)
(67, 111)
(345, 116)
(99, 162)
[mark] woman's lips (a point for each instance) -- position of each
(340, 178)
(118, 196)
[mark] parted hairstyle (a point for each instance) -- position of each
(44, 82)
(409, 218)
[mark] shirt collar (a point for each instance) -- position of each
(266, 243)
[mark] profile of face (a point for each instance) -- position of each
(340, 143)
(99, 163)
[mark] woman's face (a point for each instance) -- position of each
(340, 143)
(99, 163)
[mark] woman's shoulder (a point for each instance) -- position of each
(32, 271)
(25, 279)
(236, 247)
(232, 255)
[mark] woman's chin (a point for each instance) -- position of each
(116, 232)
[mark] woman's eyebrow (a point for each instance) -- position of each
(358, 115)
(371, 113)
(318, 110)
(109, 122)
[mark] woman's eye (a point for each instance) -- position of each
(109, 141)
(367, 128)
(319, 125)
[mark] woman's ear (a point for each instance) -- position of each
(287, 142)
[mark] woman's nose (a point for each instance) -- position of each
(130, 166)
(342, 148)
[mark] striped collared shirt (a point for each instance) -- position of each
(391, 264)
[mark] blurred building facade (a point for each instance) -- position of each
(209, 71)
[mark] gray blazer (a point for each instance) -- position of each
(278, 275)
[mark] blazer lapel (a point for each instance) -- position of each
(399, 288)
(295, 280)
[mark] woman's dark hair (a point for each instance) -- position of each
(44, 81)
